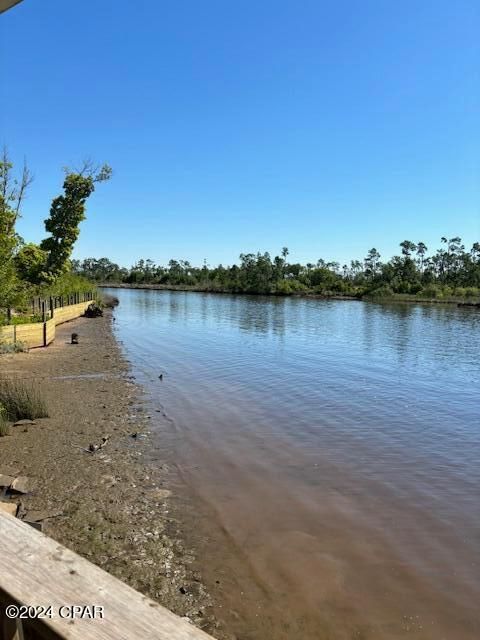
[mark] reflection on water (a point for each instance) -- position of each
(337, 444)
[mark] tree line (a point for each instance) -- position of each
(451, 270)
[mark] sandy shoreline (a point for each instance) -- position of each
(115, 507)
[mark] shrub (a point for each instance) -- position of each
(13, 347)
(415, 288)
(381, 292)
(26, 319)
(446, 292)
(65, 285)
(401, 287)
(287, 287)
(430, 291)
(472, 292)
(21, 400)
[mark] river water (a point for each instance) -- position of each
(334, 450)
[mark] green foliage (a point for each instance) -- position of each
(65, 285)
(24, 319)
(21, 400)
(431, 291)
(289, 287)
(472, 292)
(381, 292)
(31, 262)
(66, 214)
(102, 270)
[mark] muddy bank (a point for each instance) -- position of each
(118, 506)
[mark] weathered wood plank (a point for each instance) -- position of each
(64, 314)
(6, 333)
(36, 570)
(50, 330)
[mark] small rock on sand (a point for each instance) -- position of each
(24, 423)
(20, 485)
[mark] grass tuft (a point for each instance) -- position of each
(13, 347)
(21, 400)
(4, 429)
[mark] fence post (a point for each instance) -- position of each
(51, 308)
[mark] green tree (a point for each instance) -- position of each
(421, 251)
(30, 262)
(372, 263)
(66, 214)
(408, 248)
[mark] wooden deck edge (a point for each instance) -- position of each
(35, 570)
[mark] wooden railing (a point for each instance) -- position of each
(45, 307)
(37, 572)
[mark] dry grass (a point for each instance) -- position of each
(21, 400)
(17, 347)
(4, 428)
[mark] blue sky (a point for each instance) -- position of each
(329, 127)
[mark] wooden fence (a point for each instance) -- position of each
(37, 572)
(54, 311)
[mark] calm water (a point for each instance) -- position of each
(336, 449)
